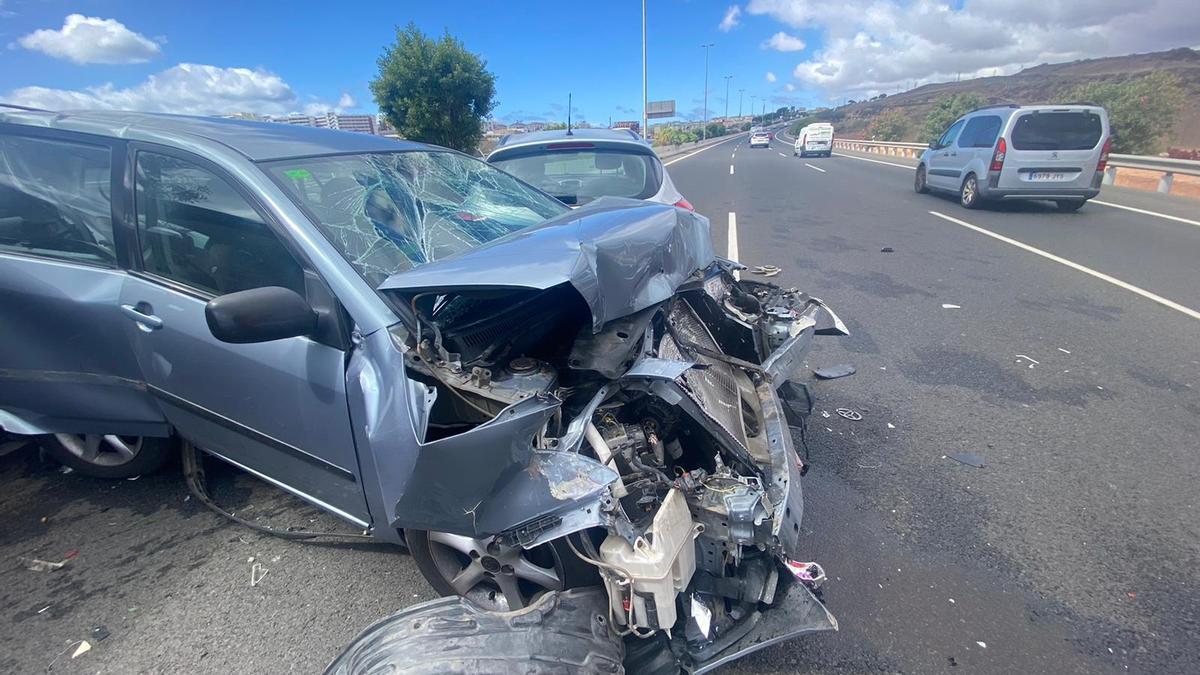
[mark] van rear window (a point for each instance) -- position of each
(1057, 131)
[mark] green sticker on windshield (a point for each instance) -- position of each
(297, 174)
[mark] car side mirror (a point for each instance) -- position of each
(259, 315)
(933, 145)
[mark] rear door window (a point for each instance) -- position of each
(576, 177)
(980, 132)
(55, 200)
(1076, 130)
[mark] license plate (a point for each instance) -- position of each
(1041, 176)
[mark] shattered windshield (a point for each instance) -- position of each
(390, 212)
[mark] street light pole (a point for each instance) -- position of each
(753, 117)
(645, 114)
(740, 92)
(704, 129)
(727, 79)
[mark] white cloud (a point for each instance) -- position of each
(782, 42)
(732, 18)
(789, 86)
(89, 39)
(187, 88)
(879, 45)
(771, 76)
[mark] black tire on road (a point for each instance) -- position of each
(1069, 205)
(968, 195)
(109, 456)
(920, 186)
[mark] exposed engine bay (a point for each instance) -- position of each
(681, 410)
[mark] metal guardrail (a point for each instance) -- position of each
(1169, 167)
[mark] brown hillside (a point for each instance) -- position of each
(1045, 84)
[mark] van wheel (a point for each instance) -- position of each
(108, 455)
(1069, 205)
(969, 194)
(920, 186)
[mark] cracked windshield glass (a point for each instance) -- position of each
(391, 212)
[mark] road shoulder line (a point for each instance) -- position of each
(1075, 266)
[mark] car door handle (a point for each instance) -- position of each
(146, 321)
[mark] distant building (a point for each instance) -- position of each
(629, 124)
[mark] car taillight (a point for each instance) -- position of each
(685, 204)
(998, 156)
(1103, 163)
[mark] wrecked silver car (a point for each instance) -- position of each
(533, 399)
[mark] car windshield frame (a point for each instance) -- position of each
(652, 176)
(389, 212)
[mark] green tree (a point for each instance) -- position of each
(889, 125)
(946, 110)
(434, 91)
(715, 129)
(1140, 111)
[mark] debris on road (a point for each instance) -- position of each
(1032, 361)
(36, 565)
(1063, 350)
(852, 415)
(887, 249)
(834, 372)
(825, 414)
(891, 426)
(257, 572)
(946, 305)
(981, 643)
(969, 458)
(99, 633)
(766, 270)
(83, 648)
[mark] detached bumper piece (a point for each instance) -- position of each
(560, 633)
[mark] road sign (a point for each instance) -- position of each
(659, 109)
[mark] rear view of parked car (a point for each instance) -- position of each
(582, 165)
(814, 139)
(1007, 152)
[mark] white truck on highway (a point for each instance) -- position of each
(814, 139)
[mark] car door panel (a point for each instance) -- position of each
(65, 364)
(944, 171)
(277, 408)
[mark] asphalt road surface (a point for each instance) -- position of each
(1062, 353)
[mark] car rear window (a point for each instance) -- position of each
(1080, 130)
(579, 176)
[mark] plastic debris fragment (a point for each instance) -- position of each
(852, 415)
(833, 372)
(969, 458)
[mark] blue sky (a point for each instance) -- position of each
(218, 56)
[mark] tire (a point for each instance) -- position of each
(440, 556)
(1069, 205)
(968, 194)
(109, 456)
(920, 182)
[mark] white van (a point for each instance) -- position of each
(814, 139)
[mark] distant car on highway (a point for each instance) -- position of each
(579, 166)
(1005, 152)
(814, 139)
(760, 139)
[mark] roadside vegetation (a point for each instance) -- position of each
(434, 91)
(1140, 111)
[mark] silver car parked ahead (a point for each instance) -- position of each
(1005, 152)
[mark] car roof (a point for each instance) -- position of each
(258, 141)
(1013, 108)
(535, 137)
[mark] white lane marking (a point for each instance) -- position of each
(815, 168)
(692, 154)
(730, 169)
(1148, 213)
(902, 166)
(1075, 266)
(732, 249)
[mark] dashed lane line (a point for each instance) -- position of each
(815, 168)
(731, 250)
(1171, 304)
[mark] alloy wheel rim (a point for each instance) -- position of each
(968, 195)
(102, 449)
(493, 575)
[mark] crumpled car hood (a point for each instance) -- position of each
(621, 255)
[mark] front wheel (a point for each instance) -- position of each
(969, 195)
(108, 455)
(1069, 205)
(492, 575)
(920, 186)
